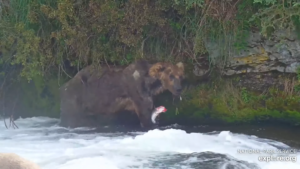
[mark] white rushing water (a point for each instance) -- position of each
(40, 140)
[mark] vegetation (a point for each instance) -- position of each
(223, 101)
(41, 35)
(46, 42)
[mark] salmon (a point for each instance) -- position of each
(156, 112)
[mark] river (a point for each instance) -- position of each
(41, 140)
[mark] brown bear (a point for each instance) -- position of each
(94, 94)
(14, 161)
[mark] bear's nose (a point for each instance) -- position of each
(178, 90)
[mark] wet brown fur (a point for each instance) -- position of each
(14, 161)
(94, 95)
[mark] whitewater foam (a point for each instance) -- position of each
(40, 140)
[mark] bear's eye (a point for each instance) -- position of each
(172, 77)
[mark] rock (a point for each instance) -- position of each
(261, 82)
(281, 52)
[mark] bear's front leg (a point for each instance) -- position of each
(144, 110)
(145, 118)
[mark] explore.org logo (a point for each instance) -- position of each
(277, 158)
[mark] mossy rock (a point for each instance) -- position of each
(224, 103)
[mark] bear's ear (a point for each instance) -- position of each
(156, 69)
(180, 66)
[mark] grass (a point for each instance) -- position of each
(223, 102)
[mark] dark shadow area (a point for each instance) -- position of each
(126, 118)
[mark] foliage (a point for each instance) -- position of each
(281, 14)
(42, 38)
(40, 97)
(222, 100)
(297, 87)
(43, 35)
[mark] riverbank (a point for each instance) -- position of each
(255, 98)
(241, 99)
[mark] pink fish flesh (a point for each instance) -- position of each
(156, 112)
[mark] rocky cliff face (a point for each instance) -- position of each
(260, 83)
(280, 52)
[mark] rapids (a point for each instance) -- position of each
(40, 140)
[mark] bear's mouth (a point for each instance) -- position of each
(176, 94)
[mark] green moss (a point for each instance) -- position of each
(297, 86)
(226, 103)
(40, 97)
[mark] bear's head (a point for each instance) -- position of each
(169, 75)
